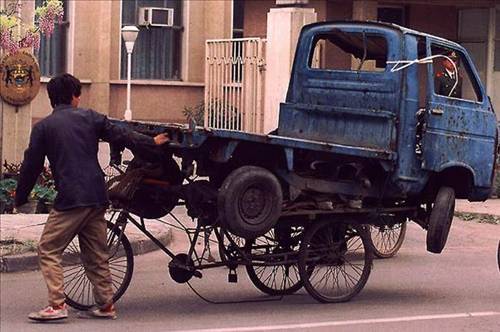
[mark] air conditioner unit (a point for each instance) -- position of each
(156, 17)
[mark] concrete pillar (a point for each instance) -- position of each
(363, 10)
(93, 52)
(490, 51)
(15, 122)
(16, 129)
(283, 29)
(494, 77)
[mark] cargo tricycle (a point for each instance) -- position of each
(369, 137)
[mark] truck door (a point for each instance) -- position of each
(460, 125)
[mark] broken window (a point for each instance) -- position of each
(452, 75)
(352, 51)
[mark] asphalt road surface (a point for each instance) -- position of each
(458, 290)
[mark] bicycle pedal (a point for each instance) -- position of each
(232, 276)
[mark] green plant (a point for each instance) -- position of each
(44, 193)
(7, 194)
(7, 190)
(222, 114)
(46, 178)
(197, 113)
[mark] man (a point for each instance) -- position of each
(69, 138)
(447, 81)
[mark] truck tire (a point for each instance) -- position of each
(249, 201)
(440, 220)
(498, 256)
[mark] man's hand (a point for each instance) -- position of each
(161, 139)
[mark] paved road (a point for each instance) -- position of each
(458, 290)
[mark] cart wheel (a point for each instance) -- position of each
(278, 278)
(335, 260)
(78, 289)
(387, 239)
(249, 201)
(440, 219)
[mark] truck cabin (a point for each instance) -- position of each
(378, 86)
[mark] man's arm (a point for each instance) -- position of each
(121, 135)
(34, 158)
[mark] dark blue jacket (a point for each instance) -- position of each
(69, 138)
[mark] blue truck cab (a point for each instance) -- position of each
(391, 104)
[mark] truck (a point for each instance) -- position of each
(381, 124)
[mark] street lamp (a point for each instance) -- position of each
(129, 34)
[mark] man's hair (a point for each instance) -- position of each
(62, 88)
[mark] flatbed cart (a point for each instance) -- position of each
(328, 252)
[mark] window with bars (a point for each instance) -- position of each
(156, 52)
(52, 53)
(238, 17)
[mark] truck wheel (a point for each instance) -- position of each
(440, 219)
(498, 255)
(249, 201)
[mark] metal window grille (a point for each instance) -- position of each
(234, 84)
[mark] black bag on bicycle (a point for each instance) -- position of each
(148, 200)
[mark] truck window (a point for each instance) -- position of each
(349, 51)
(452, 75)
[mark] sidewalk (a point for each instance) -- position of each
(491, 206)
(26, 229)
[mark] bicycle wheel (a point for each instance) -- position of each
(281, 276)
(387, 239)
(335, 261)
(78, 289)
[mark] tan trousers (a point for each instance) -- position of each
(61, 227)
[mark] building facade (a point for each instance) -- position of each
(167, 63)
(168, 69)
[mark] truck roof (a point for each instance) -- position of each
(392, 26)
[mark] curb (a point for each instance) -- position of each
(478, 217)
(29, 262)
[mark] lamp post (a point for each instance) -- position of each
(129, 35)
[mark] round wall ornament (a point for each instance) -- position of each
(19, 78)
